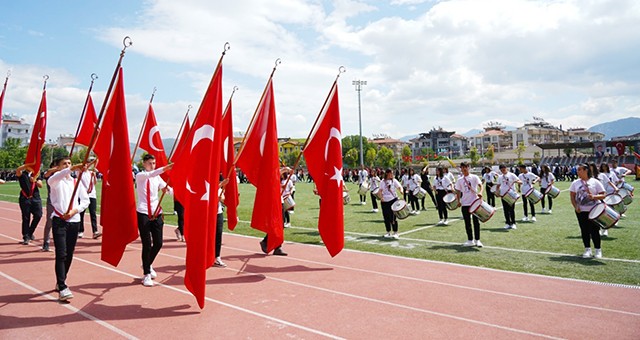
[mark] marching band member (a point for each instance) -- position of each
(528, 179)
(89, 181)
(286, 186)
(263, 243)
(488, 178)
(148, 182)
(608, 179)
(390, 187)
(413, 184)
(443, 186)
(375, 184)
(404, 180)
(546, 181)
(363, 177)
(426, 185)
(29, 200)
(620, 171)
(505, 183)
(586, 191)
(469, 188)
(65, 223)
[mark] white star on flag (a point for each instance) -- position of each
(337, 176)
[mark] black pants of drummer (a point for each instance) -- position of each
(526, 202)
(93, 203)
(509, 212)
(65, 236)
(442, 208)
(363, 198)
(219, 226)
(491, 197)
(390, 221)
(374, 200)
(265, 239)
(414, 201)
(433, 199)
(466, 215)
(589, 230)
(29, 207)
(179, 209)
(151, 237)
(544, 195)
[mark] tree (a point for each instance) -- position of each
(406, 155)
(353, 141)
(536, 157)
(384, 158)
(568, 151)
(290, 158)
(370, 157)
(12, 153)
(474, 156)
(351, 158)
(490, 154)
(519, 151)
(428, 153)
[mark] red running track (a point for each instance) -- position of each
(306, 295)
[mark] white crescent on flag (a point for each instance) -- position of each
(204, 132)
(152, 132)
(262, 140)
(334, 133)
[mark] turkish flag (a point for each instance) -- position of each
(4, 89)
(89, 124)
(151, 142)
(34, 152)
(228, 168)
(323, 154)
(195, 177)
(260, 163)
(118, 208)
(179, 144)
(620, 148)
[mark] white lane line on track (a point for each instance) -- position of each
(186, 292)
(70, 307)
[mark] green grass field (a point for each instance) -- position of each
(551, 246)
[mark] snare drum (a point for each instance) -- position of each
(419, 192)
(626, 196)
(400, 209)
(289, 203)
(345, 198)
(511, 197)
(615, 202)
(482, 210)
(627, 186)
(364, 188)
(494, 189)
(552, 191)
(451, 201)
(376, 192)
(533, 195)
(604, 216)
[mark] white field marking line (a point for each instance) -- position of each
(70, 307)
(455, 219)
(452, 285)
(238, 308)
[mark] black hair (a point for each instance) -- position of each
(464, 165)
(502, 166)
(148, 157)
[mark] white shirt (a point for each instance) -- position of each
(375, 183)
(442, 183)
(547, 180)
(527, 181)
(288, 189)
(606, 180)
(620, 172)
(489, 176)
(506, 181)
(414, 182)
(582, 189)
(155, 183)
(89, 182)
(389, 189)
(62, 185)
(451, 177)
(405, 180)
(468, 186)
(363, 175)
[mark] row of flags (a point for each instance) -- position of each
(204, 152)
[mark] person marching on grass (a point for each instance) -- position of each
(219, 224)
(528, 179)
(389, 188)
(620, 171)
(468, 189)
(413, 184)
(586, 191)
(286, 186)
(29, 200)
(263, 244)
(505, 182)
(65, 223)
(546, 181)
(363, 177)
(148, 182)
(608, 179)
(375, 184)
(488, 178)
(443, 186)
(426, 185)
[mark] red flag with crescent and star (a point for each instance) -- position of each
(118, 208)
(38, 134)
(195, 176)
(4, 89)
(259, 162)
(151, 142)
(228, 168)
(89, 124)
(180, 142)
(323, 154)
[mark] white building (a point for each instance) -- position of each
(14, 127)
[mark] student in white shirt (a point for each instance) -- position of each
(363, 177)
(586, 191)
(65, 223)
(546, 181)
(414, 182)
(443, 186)
(620, 171)
(89, 181)
(528, 179)
(506, 181)
(390, 188)
(488, 178)
(375, 184)
(287, 188)
(148, 182)
(469, 188)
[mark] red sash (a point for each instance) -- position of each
(33, 186)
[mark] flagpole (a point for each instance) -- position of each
(341, 70)
(126, 42)
(226, 47)
(39, 127)
(179, 136)
(244, 138)
(84, 111)
(144, 124)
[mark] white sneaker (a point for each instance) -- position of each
(363, 203)
(445, 222)
(152, 273)
(587, 253)
(147, 281)
(514, 226)
(178, 234)
(525, 219)
(219, 263)
(387, 235)
(598, 253)
(291, 212)
(479, 244)
(65, 295)
(80, 235)
(374, 210)
(441, 222)
(533, 219)
(287, 225)
(395, 236)
(469, 243)
(506, 226)
(604, 232)
(544, 210)
(549, 212)
(417, 212)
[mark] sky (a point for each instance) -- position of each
(455, 64)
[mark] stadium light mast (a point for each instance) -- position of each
(358, 84)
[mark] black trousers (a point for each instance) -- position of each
(589, 230)
(92, 215)
(30, 207)
(390, 221)
(433, 199)
(414, 201)
(151, 237)
(179, 209)
(544, 195)
(374, 200)
(509, 212)
(442, 208)
(219, 226)
(526, 202)
(65, 236)
(491, 197)
(466, 215)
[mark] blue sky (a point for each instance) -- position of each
(456, 64)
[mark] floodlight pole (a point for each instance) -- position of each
(358, 84)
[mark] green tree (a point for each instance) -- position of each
(353, 141)
(370, 157)
(428, 153)
(474, 156)
(536, 157)
(78, 155)
(519, 151)
(406, 155)
(490, 154)
(12, 153)
(290, 158)
(351, 158)
(568, 151)
(384, 158)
